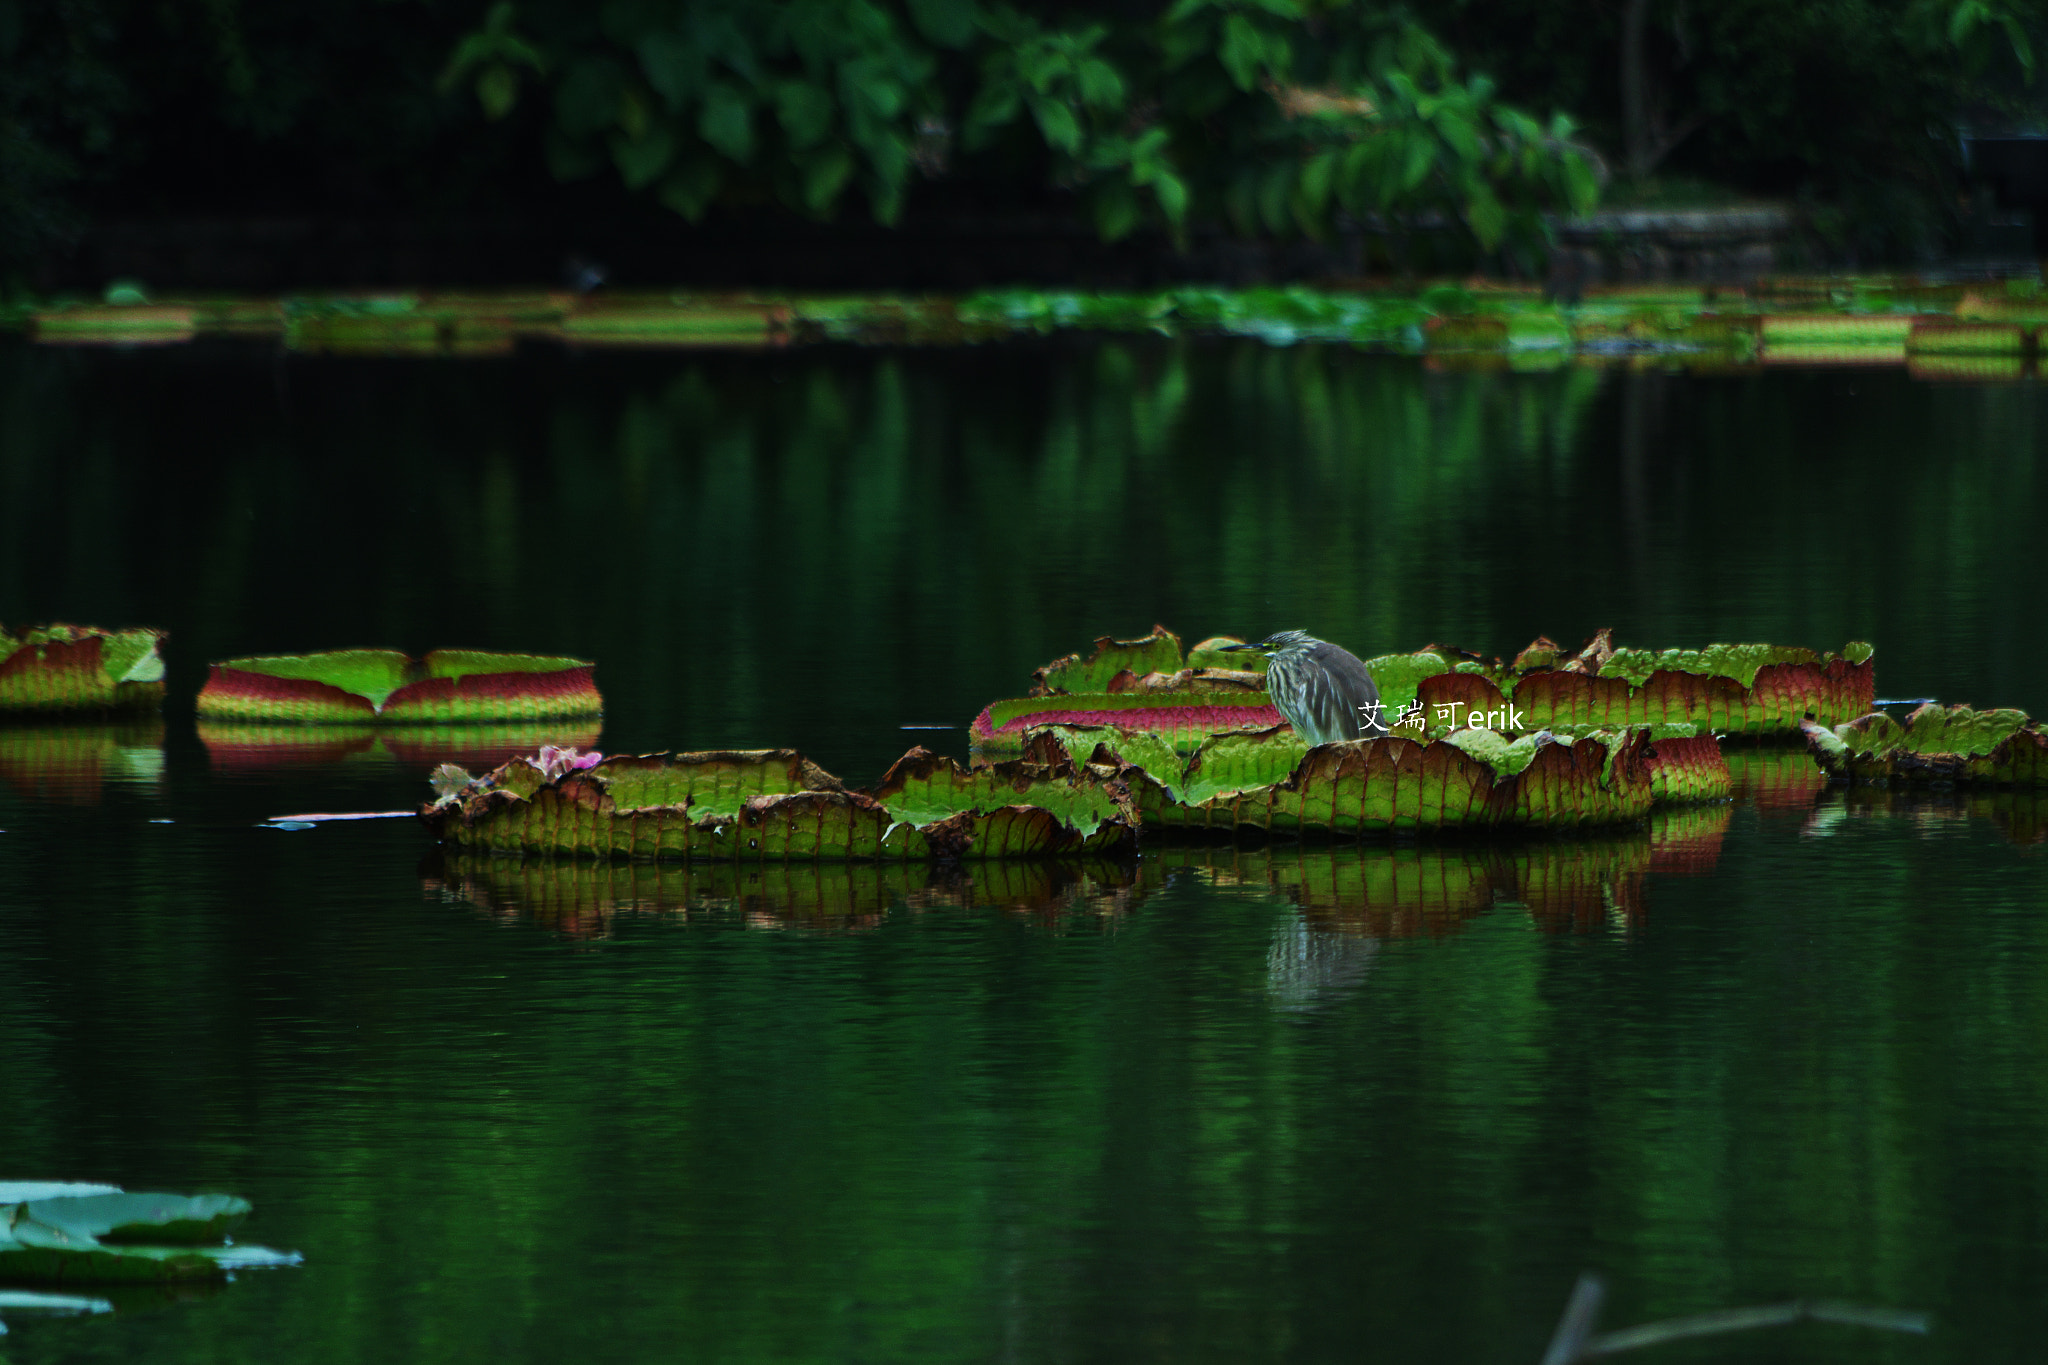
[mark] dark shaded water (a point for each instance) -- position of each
(1222, 1105)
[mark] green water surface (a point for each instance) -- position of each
(1219, 1105)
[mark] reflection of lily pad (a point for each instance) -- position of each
(1430, 890)
(591, 899)
(71, 763)
(1685, 841)
(1775, 780)
(61, 668)
(381, 685)
(236, 746)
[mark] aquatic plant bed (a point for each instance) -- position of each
(773, 805)
(1853, 319)
(98, 1234)
(62, 668)
(1742, 689)
(1681, 766)
(447, 687)
(1949, 744)
(1270, 783)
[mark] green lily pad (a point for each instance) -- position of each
(1728, 689)
(58, 668)
(98, 1234)
(163, 1219)
(772, 805)
(448, 687)
(1185, 719)
(2002, 747)
(1158, 652)
(1724, 689)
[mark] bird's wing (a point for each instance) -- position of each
(1352, 693)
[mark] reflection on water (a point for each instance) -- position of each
(1371, 892)
(1775, 780)
(1685, 841)
(72, 764)
(1307, 967)
(2019, 815)
(246, 749)
(589, 899)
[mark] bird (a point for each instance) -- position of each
(1321, 689)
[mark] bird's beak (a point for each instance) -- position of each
(1238, 649)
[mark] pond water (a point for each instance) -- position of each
(1218, 1105)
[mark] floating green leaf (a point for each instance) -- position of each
(1936, 744)
(98, 1234)
(1158, 652)
(364, 685)
(58, 668)
(772, 805)
(1184, 719)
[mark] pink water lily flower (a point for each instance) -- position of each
(554, 762)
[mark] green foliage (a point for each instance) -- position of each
(1276, 116)
(1851, 106)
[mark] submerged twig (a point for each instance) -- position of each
(1575, 1328)
(321, 817)
(1574, 1338)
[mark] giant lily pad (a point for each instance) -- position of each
(98, 1234)
(674, 321)
(1158, 652)
(115, 324)
(447, 687)
(770, 805)
(1184, 719)
(59, 668)
(1728, 689)
(1936, 744)
(1369, 786)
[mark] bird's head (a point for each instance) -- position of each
(1279, 642)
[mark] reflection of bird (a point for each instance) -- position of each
(1309, 967)
(1322, 689)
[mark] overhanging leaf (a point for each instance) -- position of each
(726, 121)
